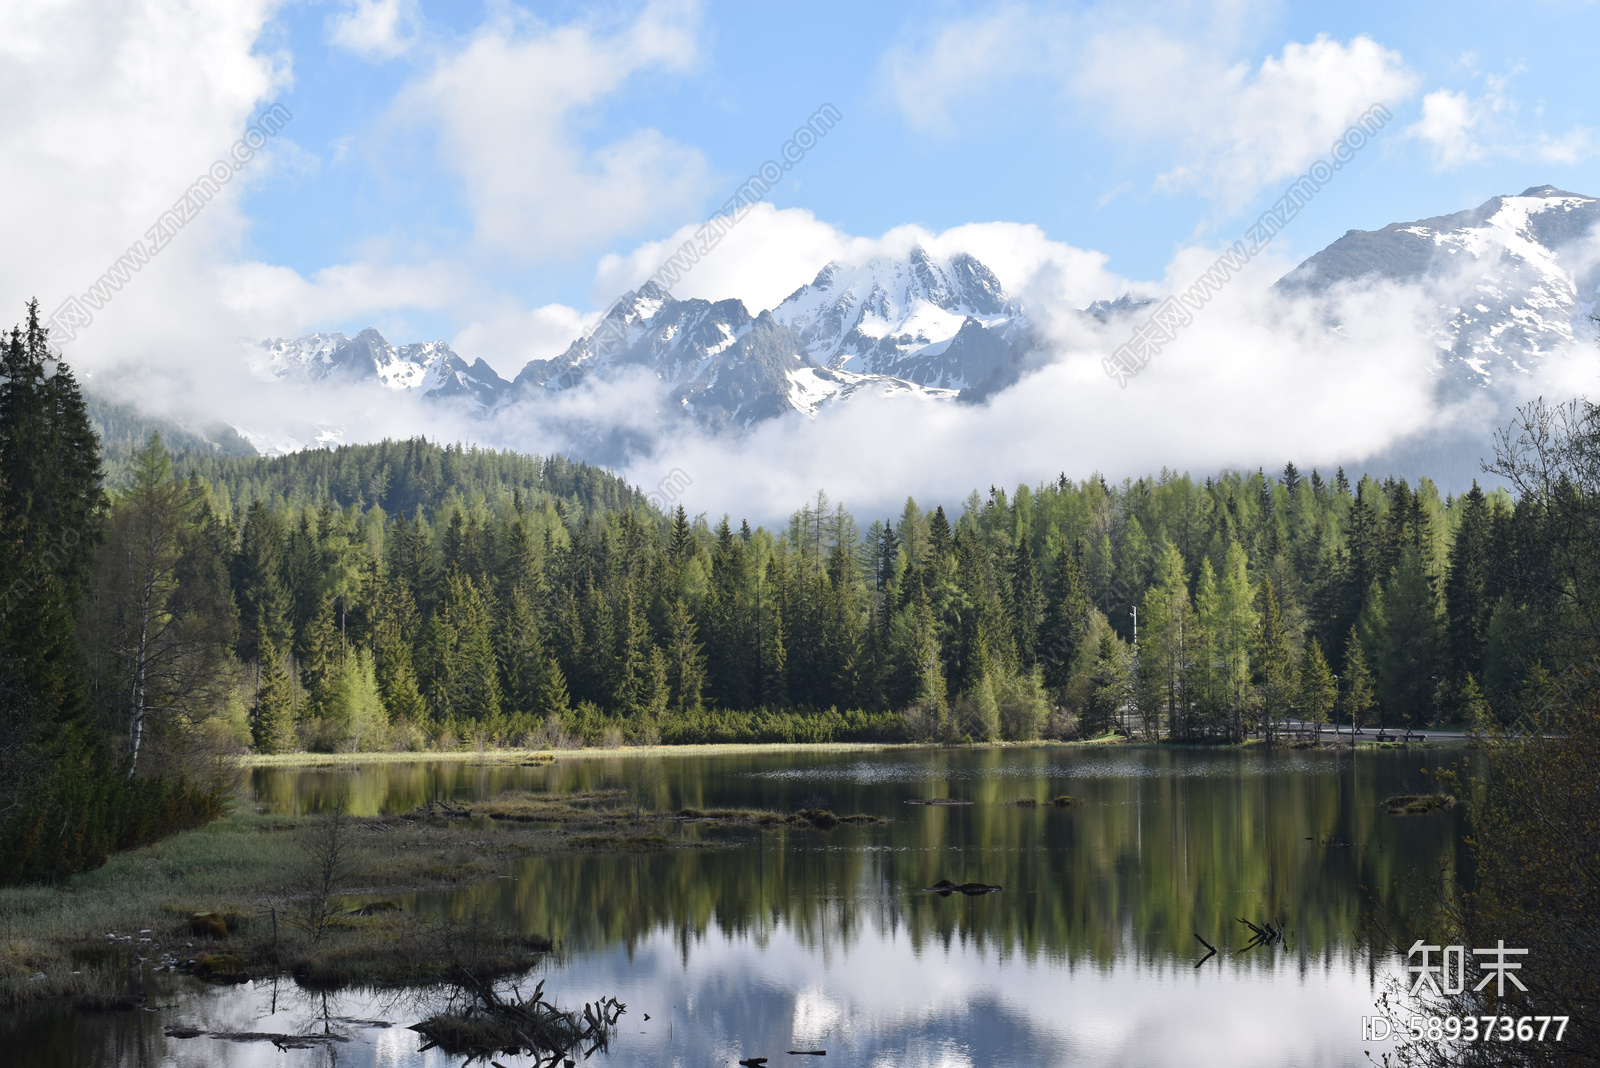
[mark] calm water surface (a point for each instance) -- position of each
(810, 940)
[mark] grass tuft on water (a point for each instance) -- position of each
(818, 818)
(1417, 804)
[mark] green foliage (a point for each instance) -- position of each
(85, 814)
(1318, 689)
(66, 795)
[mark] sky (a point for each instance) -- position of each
(494, 175)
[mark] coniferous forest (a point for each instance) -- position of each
(407, 595)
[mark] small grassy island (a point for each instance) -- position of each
(312, 897)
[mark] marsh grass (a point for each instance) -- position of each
(236, 900)
(235, 888)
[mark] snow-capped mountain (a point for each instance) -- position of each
(1516, 278)
(428, 366)
(917, 325)
(937, 323)
(1516, 275)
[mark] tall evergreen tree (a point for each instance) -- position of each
(1465, 594)
(1066, 617)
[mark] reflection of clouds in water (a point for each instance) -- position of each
(883, 1002)
(1159, 767)
(816, 1017)
(942, 1054)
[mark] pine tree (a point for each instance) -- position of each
(1066, 617)
(530, 677)
(1318, 688)
(321, 657)
(1400, 631)
(1026, 606)
(685, 661)
(1358, 690)
(682, 544)
(922, 665)
(53, 767)
(258, 583)
(272, 721)
(1234, 627)
(396, 628)
(1466, 601)
(466, 683)
(354, 707)
(1274, 660)
(1165, 632)
(939, 538)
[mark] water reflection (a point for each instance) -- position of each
(800, 939)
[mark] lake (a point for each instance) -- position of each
(807, 940)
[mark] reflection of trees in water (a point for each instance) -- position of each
(1189, 843)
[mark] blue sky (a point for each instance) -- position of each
(1008, 131)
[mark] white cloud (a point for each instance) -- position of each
(1447, 125)
(1254, 381)
(114, 112)
(1249, 384)
(1461, 129)
(505, 109)
(772, 252)
(927, 77)
(1240, 129)
(1159, 78)
(375, 28)
(507, 336)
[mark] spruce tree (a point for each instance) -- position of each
(1318, 689)
(1026, 606)
(1359, 699)
(1466, 601)
(1275, 660)
(1066, 617)
(272, 721)
(685, 660)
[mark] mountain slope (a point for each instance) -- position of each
(1515, 274)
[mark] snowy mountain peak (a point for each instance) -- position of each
(430, 366)
(898, 317)
(1512, 275)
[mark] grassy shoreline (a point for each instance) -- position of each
(517, 756)
(514, 756)
(231, 900)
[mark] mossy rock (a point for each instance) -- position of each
(820, 818)
(1417, 804)
(208, 925)
(1065, 801)
(220, 968)
(1026, 802)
